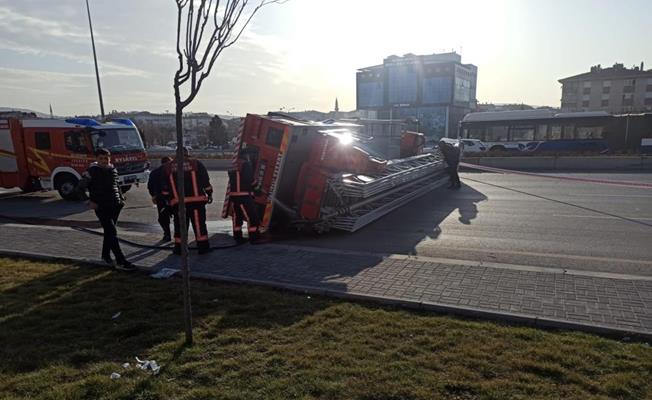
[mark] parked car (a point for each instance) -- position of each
(173, 145)
(572, 145)
(506, 146)
(473, 146)
(159, 148)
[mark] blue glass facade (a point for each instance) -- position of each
(432, 120)
(371, 94)
(437, 90)
(401, 84)
(462, 90)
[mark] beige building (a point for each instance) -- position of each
(617, 90)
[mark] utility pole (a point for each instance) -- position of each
(97, 73)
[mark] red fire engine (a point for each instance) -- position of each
(46, 154)
(325, 175)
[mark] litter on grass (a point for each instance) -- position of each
(115, 376)
(164, 273)
(151, 365)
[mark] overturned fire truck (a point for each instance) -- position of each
(325, 175)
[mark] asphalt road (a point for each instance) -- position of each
(494, 218)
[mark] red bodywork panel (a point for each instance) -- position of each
(412, 144)
(39, 162)
(294, 161)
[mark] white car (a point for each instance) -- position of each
(473, 146)
(159, 148)
(505, 146)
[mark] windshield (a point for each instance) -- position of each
(117, 140)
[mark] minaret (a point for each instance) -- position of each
(337, 107)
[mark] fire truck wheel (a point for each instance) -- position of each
(125, 188)
(66, 185)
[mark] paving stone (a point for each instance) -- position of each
(617, 303)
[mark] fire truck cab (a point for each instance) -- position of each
(46, 154)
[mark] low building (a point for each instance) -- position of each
(615, 90)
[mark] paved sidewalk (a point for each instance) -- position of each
(605, 303)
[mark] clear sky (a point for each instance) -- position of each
(304, 53)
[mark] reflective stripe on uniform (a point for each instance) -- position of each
(175, 195)
(242, 207)
(193, 178)
(193, 199)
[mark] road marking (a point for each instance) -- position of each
(602, 217)
(606, 195)
(634, 184)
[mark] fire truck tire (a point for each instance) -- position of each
(66, 185)
(125, 188)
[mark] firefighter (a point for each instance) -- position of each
(106, 199)
(451, 153)
(197, 193)
(242, 184)
(154, 186)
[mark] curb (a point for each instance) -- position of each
(440, 308)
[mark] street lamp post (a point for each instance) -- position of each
(97, 73)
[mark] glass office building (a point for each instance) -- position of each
(436, 90)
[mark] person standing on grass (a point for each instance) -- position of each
(106, 199)
(155, 186)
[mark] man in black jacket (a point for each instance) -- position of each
(105, 197)
(451, 153)
(155, 187)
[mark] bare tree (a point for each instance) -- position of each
(205, 28)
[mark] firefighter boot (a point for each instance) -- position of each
(238, 237)
(253, 237)
(203, 247)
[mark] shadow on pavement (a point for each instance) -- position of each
(403, 229)
(40, 205)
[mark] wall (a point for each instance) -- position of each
(598, 163)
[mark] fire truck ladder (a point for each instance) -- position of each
(398, 173)
(354, 201)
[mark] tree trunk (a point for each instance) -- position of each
(187, 310)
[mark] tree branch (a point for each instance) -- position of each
(225, 23)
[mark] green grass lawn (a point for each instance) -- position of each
(58, 341)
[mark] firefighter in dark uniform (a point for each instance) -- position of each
(451, 153)
(242, 184)
(106, 199)
(197, 193)
(155, 187)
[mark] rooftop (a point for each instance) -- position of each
(617, 71)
